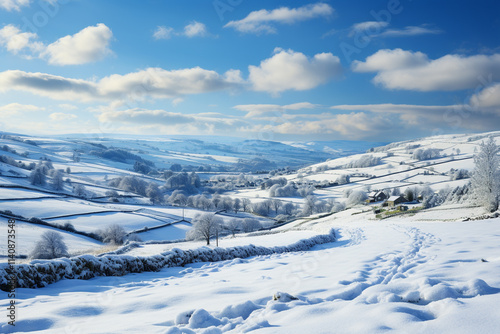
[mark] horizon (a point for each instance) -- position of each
(380, 71)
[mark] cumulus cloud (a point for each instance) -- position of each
(151, 82)
(285, 70)
(290, 70)
(255, 110)
(89, 45)
(400, 69)
(60, 116)
(15, 41)
(10, 5)
(262, 21)
(487, 98)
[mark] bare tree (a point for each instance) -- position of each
(485, 179)
(50, 246)
(205, 226)
(113, 234)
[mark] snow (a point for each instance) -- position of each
(28, 234)
(14, 193)
(48, 208)
(426, 272)
(93, 222)
(402, 275)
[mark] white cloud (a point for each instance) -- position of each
(195, 29)
(487, 98)
(151, 82)
(14, 108)
(369, 27)
(16, 41)
(10, 5)
(399, 69)
(262, 21)
(290, 70)
(379, 29)
(255, 110)
(165, 121)
(89, 45)
(163, 32)
(60, 116)
(410, 31)
(353, 126)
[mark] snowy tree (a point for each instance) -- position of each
(79, 190)
(205, 226)
(37, 177)
(337, 207)
(356, 197)
(343, 179)
(250, 225)
(232, 226)
(176, 168)
(178, 198)
(50, 246)
(236, 205)
(288, 208)
(113, 234)
(154, 193)
(226, 204)
(57, 180)
(410, 194)
(485, 178)
(276, 205)
(246, 204)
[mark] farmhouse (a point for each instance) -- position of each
(394, 200)
(376, 196)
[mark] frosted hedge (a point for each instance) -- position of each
(41, 273)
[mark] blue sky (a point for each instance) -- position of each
(277, 70)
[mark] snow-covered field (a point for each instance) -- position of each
(427, 271)
(395, 275)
